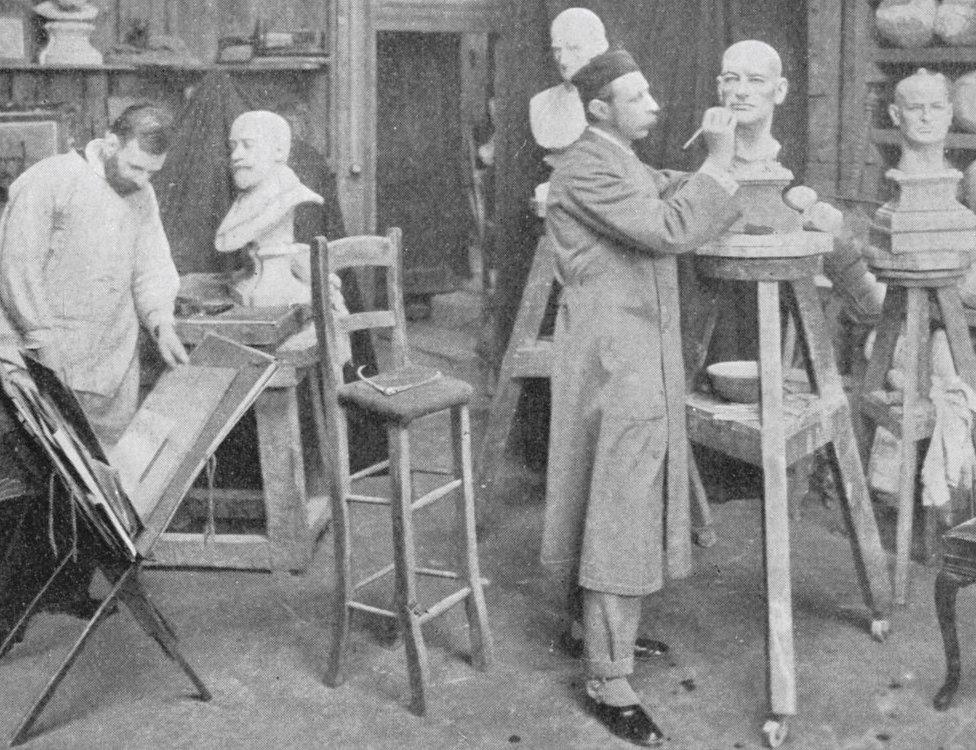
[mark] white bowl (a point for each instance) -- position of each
(737, 380)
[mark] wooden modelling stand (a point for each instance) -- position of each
(908, 296)
(529, 355)
(790, 427)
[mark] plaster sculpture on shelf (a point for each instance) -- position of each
(906, 23)
(955, 22)
(964, 102)
(69, 25)
(261, 218)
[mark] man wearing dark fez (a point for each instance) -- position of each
(614, 222)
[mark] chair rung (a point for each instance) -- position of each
(367, 499)
(435, 573)
(435, 495)
(370, 470)
(372, 610)
(374, 577)
(445, 604)
(438, 472)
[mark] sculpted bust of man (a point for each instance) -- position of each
(262, 216)
(751, 84)
(556, 115)
(922, 111)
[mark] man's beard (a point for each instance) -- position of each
(120, 184)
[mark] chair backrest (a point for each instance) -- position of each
(369, 252)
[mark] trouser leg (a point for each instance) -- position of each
(610, 625)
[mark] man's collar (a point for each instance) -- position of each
(617, 140)
(95, 156)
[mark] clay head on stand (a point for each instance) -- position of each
(752, 85)
(262, 216)
(924, 225)
(922, 112)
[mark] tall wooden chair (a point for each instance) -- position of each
(412, 392)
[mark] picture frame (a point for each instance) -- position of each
(26, 137)
(16, 32)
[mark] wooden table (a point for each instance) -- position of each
(294, 518)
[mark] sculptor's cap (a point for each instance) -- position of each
(601, 70)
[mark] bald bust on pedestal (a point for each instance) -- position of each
(752, 85)
(556, 115)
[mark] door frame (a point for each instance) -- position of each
(353, 81)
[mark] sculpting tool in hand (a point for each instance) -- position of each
(694, 137)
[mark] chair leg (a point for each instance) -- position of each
(468, 566)
(404, 559)
(947, 584)
(342, 546)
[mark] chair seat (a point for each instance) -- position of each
(960, 545)
(419, 401)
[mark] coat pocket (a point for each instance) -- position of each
(630, 354)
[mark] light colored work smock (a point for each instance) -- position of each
(80, 267)
(616, 224)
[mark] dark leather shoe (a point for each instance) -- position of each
(644, 648)
(648, 648)
(631, 723)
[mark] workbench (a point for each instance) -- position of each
(293, 470)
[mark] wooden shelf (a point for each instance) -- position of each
(892, 137)
(264, 65)
(925, 55)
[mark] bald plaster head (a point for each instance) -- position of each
(577, 35)
(751, 83)
(259, 142)
(922, 109)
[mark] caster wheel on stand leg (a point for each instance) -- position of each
(880, 629)
(776, 730)
(704, 537)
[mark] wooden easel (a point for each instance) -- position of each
(529, 355)
(786, 428)
(155, 511)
